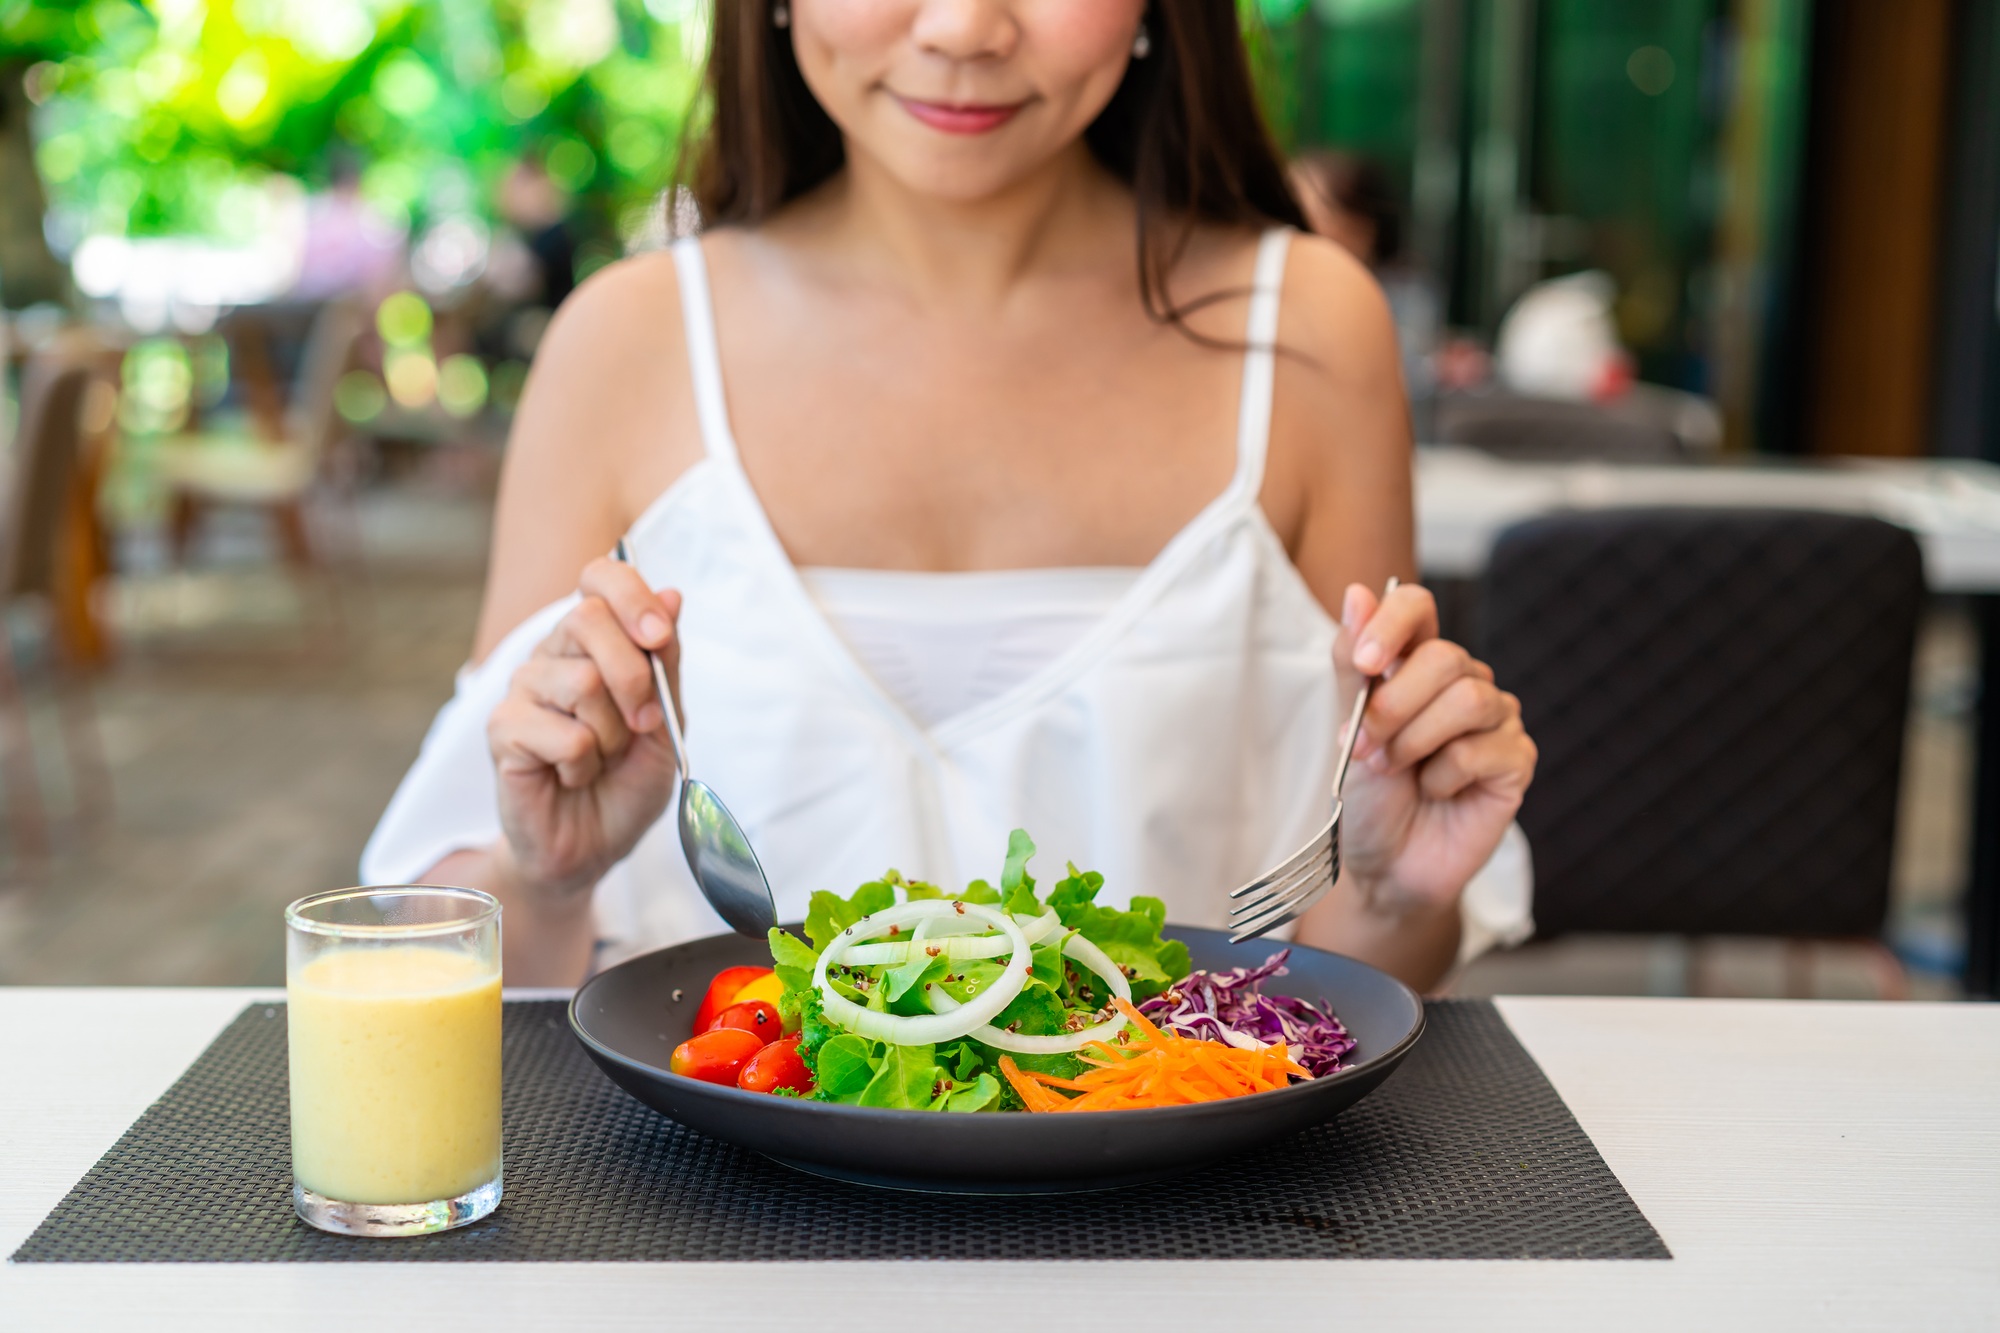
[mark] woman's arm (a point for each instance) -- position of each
(603, 426)
(1442, 761)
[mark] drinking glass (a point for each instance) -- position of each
(394, 1020)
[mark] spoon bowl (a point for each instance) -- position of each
(723, 862)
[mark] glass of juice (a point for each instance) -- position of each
(394, 1018)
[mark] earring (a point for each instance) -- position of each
(781, 15)
(1142, 42)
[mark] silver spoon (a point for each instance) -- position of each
(724, 866)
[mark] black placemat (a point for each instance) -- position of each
(1466, 1152)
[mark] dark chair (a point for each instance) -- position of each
(1719, 697)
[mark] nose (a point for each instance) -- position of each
(966, 29)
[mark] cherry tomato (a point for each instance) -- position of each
(767, 988)
(778, 1065)
(722, 992)
(716, 1057)
(756, 1017)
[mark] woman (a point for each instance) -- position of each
(936, 514)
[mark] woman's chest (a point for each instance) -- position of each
(899, 442)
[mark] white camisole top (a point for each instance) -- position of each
(1172, 727)
(940, 644)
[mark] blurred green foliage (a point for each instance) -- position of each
(166, 116)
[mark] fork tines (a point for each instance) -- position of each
(1290, 889)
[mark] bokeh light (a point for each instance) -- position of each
(404, 320)
(461, 385)
(412, 378)
(360, 397)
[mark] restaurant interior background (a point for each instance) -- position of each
(303, 251)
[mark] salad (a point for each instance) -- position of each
(1000, 999)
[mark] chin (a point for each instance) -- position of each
(958, 182)
(962, 170)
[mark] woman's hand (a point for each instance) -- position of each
(580, 743)
(1442, 762)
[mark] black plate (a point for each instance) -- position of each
(631, 1017)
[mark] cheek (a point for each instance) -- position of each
(845, 46)
(1082, 33)
(1080, 46)
(859, 29)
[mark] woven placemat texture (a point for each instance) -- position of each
(1466, 1152)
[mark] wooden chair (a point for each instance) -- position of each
(38, 530)
(246, 469)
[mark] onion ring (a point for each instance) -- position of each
(955, 944)
(922, 1029)
(1092, 957)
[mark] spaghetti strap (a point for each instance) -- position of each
(704, 362)
(1253, 423)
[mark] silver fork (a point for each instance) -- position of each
(1307, 874)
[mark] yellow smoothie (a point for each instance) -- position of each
(395, 1055)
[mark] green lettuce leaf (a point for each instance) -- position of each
(846, 1065)
(1131, 938)
(793, 960)
(982, 1095)
(905, 977)
(904, 1079)
(1036, 1012)
(827, 913)
(1017, 886)
(965, 1059)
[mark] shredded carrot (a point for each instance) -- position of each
(1154, 1068)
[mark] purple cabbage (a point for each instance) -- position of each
(1216, 1005)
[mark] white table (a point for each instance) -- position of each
(1466, 498)
(1811, 1165)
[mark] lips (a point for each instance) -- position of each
(968, 118)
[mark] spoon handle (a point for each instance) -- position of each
(660, 688)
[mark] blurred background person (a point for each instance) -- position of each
(350, 247)
(1348, 199)
(538, 210)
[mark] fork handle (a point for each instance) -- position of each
(1354, 717)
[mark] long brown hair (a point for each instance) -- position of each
(1183, 131)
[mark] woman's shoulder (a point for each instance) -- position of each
(1331, 307)
(1333, 311)
(1338, 472)
(607, 424)
(626, 311)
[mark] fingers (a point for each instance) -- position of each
(527, 737)
(1440, 713)
(647, 616)
(1502, 759)
(575, 686)
(1430, 670)
(593, 632)
(1415, 726)
(1385, 630)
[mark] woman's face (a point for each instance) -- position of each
(963, 98)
